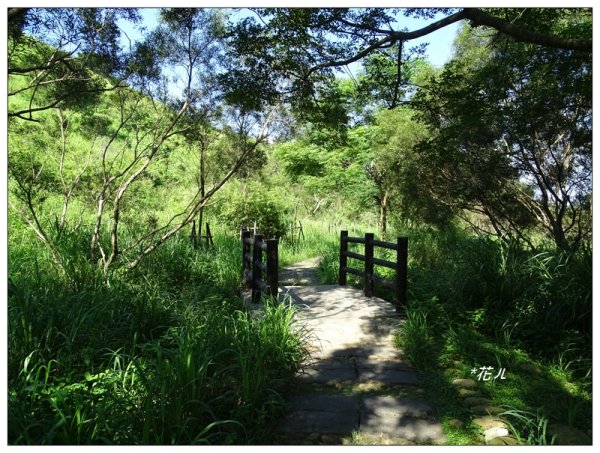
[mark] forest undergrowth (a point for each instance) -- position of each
(477, 302)
(165, 355)
(122, 153)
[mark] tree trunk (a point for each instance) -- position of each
(202, 182)
(383, 207)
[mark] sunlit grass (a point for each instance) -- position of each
(489, 306)
(164, 355)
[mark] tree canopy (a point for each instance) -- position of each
(500, 137)
(291, 51)
(512, 136)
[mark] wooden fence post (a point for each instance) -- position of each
(246, 267)
(369, 237)
(401, 272)
(193, 235)
(272, 268)
(256, 270)
(209, 238)
(343, 257)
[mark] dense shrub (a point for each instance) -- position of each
(258, 206)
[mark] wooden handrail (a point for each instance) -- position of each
(385, 245)
(356, 240)
(253, 266)
(385, 263)
(350, 270)
(356, 256)
(400, 266)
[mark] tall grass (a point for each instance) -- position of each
(534, 300)
(528, 428)
(317, 239)
(415, 336)
(478, 302)
(163, 355)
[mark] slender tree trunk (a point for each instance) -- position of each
(383, 207)
(202, 182)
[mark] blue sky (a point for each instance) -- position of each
(440, 42)
(438, 51)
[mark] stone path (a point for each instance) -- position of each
(356, 382)
(302, 273)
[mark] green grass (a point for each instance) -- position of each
(166, 355)
(162, 355)
(318, 239)
(488, 304)
(528, 428)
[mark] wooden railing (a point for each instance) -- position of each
(254, 268)
(400, 266)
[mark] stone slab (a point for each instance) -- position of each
(354, 351)
(351, 339)
(338, 301)
(392, 372)
(389, 376)
(365, 350)
(400, 417)
(302, 273)
(322, 413)
(329, 371)
(414, 429)
(383, 364)
(324, 402)
(321, 422)
(394, 407)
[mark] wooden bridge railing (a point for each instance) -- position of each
(253, 247)
(400, 266)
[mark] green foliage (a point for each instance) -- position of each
(395, 165)
(163, 354)
(301, 160)
(539, 297)
(160, 357)
(511, 122)
(315, 240)
(42, 55)
(389, 74)
(330, 181)
(260, 206)
(415, 335)
(476, 302)
(528, 428)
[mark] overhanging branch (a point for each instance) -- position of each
(477, 18)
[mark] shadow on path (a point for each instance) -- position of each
(355, 382)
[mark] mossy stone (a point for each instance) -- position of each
(476, 401)
(465, 383)
(490, 410)
(504, 440)
(456, 423)
(468, 392)
(489, 421)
